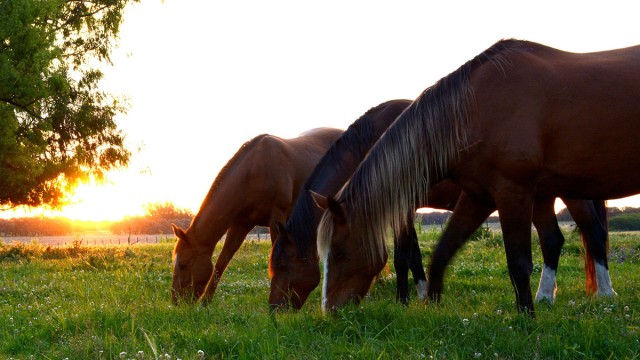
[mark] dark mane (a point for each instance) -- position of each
(427, 135)
(356, 139)
(240, 154)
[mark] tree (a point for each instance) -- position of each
(166, 210)
(56, 127)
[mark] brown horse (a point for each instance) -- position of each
(519, 123)
(293, 264)
(257, 187)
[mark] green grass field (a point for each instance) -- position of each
(113, 303)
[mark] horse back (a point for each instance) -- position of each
(282, 165)
(567, 121)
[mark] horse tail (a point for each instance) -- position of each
(589, 263)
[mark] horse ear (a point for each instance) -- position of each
(180, 234)
(326, 203)
(321, 201)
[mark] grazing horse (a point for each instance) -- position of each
(257, 187)
(293, 265)
(519, 123)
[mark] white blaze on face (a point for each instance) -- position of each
(547, 287)
(324, 284)
(604, 281)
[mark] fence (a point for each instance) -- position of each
(104, 239)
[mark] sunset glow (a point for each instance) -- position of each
(203, 77)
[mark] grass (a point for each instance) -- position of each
(83, 302)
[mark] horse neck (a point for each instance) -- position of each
(212, 220)
(302, 223)
(344, 157)
(337, 166)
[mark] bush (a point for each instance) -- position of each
(625, 222)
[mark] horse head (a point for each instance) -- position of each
(348, 270)
(293, 277)
(192, 269)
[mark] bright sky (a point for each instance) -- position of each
(205, 76)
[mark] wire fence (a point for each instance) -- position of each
(105, 239)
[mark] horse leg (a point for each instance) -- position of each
(407, 257)
(233, 240)
(551, 241)
(401, 265)
(415, 264)
(467, 216)
(591, 218)
(515, 206)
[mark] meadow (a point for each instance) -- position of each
(112, 302)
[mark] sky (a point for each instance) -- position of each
(203, 77)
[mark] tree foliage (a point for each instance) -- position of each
(56, 126)
(157, 220)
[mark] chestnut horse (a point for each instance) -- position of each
(520, 123)
(293, 265)
(255, 188)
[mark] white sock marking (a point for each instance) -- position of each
(604, 281)
(547, 286)
(422, 286)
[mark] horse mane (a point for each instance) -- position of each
(220, 178)
(301, 222)
(425, 138)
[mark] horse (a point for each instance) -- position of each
(256, 187)
(519, 123)
(293, 265)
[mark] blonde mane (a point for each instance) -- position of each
(412, 154)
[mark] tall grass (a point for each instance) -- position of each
(113, 302)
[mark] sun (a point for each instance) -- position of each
(112, 200)
(95, 202)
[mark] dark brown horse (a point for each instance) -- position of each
(294, 263)
(257, 187)
(520, 123)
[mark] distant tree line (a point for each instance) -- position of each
(441, 217)
(159, 217)
(156, 220)
(620, 219)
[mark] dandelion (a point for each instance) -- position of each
(123, 355)
(465, 322)
(140, 354)
(627, 316)
(200, 354)
(626, 309)
(499, 312)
